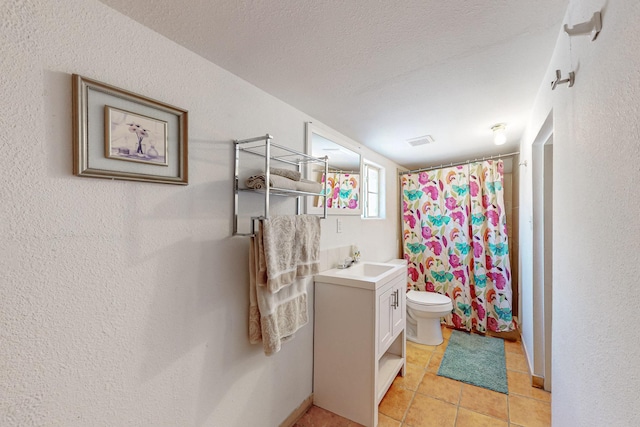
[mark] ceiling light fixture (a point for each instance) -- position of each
(499, 133)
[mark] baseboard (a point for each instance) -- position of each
(509, 336)
(537, 382)
(298, 412)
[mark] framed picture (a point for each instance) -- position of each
(121, 135)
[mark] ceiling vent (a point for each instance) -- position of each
(421, 140)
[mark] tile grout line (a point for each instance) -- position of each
(508, 391)
(524, 396)
(455, 419)
(415, 392)
(406, 412)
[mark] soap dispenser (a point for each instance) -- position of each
(355, 253)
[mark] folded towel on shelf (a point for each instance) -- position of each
(309, 186)
(287, 173)
(258, 182)
(274, 317)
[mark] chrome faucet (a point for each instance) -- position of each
(348, 262)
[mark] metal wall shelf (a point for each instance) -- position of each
(263, 146)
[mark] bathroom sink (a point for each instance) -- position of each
(369, 275)
(366, 269)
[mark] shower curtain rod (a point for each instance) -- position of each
(343, 171)
(353, 172)
(460, 163)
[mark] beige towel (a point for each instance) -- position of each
(309, 186)
(280, 251)
(282, 314)
(274, 317)
(257, 182)
(255, 328)
(291, 245)
(307, 242)
(287, 173)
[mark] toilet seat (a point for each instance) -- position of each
(429, 300)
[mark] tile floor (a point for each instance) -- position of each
(423, 399)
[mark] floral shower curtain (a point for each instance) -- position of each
(455, 241)
(342, 190)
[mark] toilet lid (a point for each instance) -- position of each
(427, 298)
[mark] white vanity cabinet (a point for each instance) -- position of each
(359, 339)
(391, 315)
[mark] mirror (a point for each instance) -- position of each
(344, 177)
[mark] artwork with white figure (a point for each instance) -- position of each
(133, 137)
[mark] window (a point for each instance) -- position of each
(372, 192)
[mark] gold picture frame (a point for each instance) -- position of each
(121, 135)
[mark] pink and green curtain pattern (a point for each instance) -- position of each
(342, 190)
(455, 242)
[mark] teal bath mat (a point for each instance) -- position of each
(476, 360)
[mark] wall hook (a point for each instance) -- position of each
(558, 81)
(523, 164)
(592, 27)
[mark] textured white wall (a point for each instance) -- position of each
(596, 172)
(125, 303)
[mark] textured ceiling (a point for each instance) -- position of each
(380, 72)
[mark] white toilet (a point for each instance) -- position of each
(424, 310)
